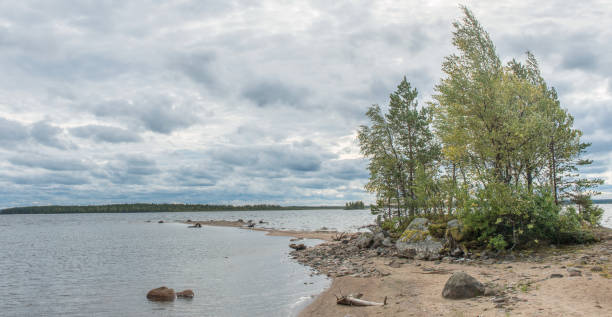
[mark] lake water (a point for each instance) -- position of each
(104, 264)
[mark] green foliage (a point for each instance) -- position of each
(498, 243)
(504, 155)
(395, 226)
(354, 205)
(402, 152)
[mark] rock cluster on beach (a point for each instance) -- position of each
(349, 256)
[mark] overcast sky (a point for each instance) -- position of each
(249, 101)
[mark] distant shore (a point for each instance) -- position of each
(523, 283)
(143, 207)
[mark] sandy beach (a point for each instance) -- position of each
(520, 285)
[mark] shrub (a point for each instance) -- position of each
(500, 216)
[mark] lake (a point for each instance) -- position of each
(104, 264)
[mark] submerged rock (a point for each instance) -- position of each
(161, 294)
(461, 285)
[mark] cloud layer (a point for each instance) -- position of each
(248, 101)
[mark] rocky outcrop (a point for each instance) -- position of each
(161, 294)
(416, 242)
(461, 285)
(185, 294)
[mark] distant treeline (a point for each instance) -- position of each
(354, 205)
(132, 208)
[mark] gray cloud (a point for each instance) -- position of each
(12, 131)
(47, 134)
(128, 169)
(155, 113)
(49, 179)
(197, 66)
(270, 93)
(49, 163)
(103, 133)
(233, 102)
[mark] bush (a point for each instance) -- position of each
(500, 216)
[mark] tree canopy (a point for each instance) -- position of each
(494, 148)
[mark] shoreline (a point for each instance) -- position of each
(325, 235)
(522, 285)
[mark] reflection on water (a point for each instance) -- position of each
(104, 264)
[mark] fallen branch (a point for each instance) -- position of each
(339, 236)
(352, 301)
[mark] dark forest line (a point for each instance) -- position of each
(142, 207)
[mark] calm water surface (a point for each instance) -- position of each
(104, 264)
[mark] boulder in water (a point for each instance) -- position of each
(185, 294)
(161, 294)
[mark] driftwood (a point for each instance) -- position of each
(339, 236)
(351, 300)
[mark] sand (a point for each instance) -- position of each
(414, 289)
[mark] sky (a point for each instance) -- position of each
(248, 102)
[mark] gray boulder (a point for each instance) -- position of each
(461, 285)
(387, 242)
(416, 242)
(419, 224)
(378, 239)
(364, 241)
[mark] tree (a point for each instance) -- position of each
(400, 145)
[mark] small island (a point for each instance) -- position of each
(354, 205)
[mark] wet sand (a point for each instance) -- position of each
(318, 234)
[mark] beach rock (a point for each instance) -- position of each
(556, 275)
(365, 241)
(597, 269)
(574, 272)
(297, 247)
(161, 221)
(185, 294)
(457, 252)
(492, 290)
(395, 264)
(161, 294)
(387, 242)
(455, 229)
(416, 242)
(461, 285)
(378, 239)
(419, 224)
